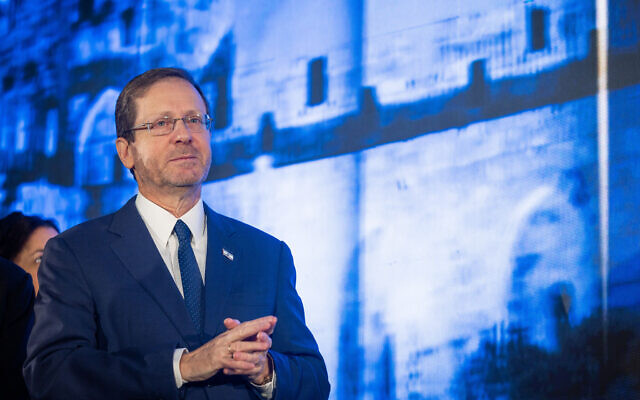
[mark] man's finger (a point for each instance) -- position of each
(239, 365)
(231, 323)
(251, 357)
(245, 372)
(250, 328)
(273, 326)
(249, 346)
(263, 337)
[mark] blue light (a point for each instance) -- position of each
(433, 168)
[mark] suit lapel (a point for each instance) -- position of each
(223, 260)
(139, 254)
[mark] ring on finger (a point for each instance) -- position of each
(230, 351)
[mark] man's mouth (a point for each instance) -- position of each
(183, 157)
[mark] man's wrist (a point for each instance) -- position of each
(269, 375)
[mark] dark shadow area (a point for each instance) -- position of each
(599, 358)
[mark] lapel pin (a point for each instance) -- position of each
(227, 254)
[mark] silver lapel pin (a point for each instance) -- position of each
(227, 254)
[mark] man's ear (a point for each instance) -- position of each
(123, 147)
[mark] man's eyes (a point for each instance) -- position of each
(164, 122)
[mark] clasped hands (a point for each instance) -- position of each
(241, 350)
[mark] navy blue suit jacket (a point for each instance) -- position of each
(109, 316)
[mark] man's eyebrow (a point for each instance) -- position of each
(192, 112)
(172, 114)
(159, 114)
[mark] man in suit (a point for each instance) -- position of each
(16, 319)
(166, 298)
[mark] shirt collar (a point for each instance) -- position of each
(161, 221)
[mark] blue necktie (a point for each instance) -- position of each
(191, 279)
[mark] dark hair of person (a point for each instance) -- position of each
(136, 88)
(15, 229)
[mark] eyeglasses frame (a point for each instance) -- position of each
(147, 125)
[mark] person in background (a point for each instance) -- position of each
(22, 240)
(16, 318)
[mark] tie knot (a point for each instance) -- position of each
(182, 231)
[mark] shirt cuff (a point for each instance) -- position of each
(266, 390)
(177, 354)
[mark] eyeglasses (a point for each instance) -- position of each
(196, 123)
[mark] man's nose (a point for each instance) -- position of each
(181, 131)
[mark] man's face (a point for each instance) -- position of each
(178, 160)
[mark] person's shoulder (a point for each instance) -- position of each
(10, 272)
(98, 226)
(87, 228)
(236, 227)
(14, 282)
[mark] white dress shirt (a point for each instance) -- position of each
(160, 224)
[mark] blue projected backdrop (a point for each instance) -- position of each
(433, 165)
